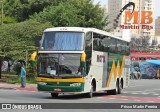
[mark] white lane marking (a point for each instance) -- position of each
(140, 92)
(148, 91)
(156, 94)
(134, 93)
(136, 86)
(151, 90)
(145, 93)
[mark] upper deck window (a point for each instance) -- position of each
(63, 41)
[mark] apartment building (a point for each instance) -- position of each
(157, 26)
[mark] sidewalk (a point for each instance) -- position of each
(29, 87)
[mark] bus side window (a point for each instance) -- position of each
(112, 44)
(98, 42)
(124, 48)
(106, 43)
(119, 46)
(127, 49)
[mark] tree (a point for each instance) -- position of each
(140, 44)
(154, 42)
(22, 9)
(80, 13)
(145, 42)
(16, 38)
(135, 44)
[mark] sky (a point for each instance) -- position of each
(157, 7)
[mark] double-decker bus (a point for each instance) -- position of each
(82, 60)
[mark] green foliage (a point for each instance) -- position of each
(17, 79)
(32, 69)
(17, 38)
(22, 9)
(8, 20)
(32, 80)
(8, 73)
(13, 80)
(17, 68)
(140, 44)
(80, 13)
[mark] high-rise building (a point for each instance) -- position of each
(157, 26)
(114, 7)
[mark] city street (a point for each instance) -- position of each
(140, 91)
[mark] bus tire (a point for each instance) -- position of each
(120, 87)
(114, 91)
(90, 94)
(54, 95)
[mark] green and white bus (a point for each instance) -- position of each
(82, 60)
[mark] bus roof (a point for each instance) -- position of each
(83, 29)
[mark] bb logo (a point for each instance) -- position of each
(6, 106)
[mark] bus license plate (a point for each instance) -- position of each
(57, 90)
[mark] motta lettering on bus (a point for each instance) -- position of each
(101, 58)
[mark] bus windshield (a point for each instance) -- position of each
(59, 65)
(62, 41)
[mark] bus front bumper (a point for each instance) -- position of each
(60, 89)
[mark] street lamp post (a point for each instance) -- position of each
(1, 59)
(0, 67)
(26, 60)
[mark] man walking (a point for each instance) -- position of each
(23, 76)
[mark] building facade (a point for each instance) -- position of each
(140, 66)
(157, 26)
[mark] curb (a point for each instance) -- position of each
(19, 88)
(7, 88)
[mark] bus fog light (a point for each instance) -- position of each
(75, 84)
(42, 83)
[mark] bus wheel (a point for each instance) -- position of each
(54, 95)
(114, 91)
(120, 87)
(90, 94)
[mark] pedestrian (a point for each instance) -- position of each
(23, 76)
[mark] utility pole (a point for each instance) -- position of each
(1, 59)
(26, 65)
(0, 68)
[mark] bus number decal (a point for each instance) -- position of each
(101, 58)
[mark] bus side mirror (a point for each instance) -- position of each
(40, 42)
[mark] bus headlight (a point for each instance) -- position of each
(75, 84)
(42, 83)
